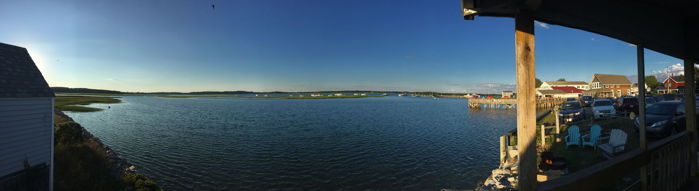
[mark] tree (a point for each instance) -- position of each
(538, 82)
(652, 82)
(561, 79)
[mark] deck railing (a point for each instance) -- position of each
(666, 160)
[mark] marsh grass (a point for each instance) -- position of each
(76, 103)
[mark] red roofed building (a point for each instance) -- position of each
(560, 92)
(569, 89)
(673, 84)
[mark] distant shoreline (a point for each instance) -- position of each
(88, 98)
(239, 92)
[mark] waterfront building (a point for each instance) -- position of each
(548, 85)
(507, 94)
(26, 123)
(559, 92)
(608, 85)
(633, 91)
(672, 84)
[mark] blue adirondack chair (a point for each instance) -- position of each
(593, 137)
(573, 137)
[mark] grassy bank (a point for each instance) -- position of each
(81, 161)
(76, 103)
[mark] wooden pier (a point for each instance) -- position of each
(505, 103)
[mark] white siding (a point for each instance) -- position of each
(26, 127)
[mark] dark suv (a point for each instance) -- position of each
(586, 101)
(627, 104)
(570, 111)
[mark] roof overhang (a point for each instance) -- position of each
(669, 27)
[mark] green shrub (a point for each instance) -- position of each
(69, 133)
(140, 182)
(79, 167)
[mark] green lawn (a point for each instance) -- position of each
(76, 103)
(582, 157)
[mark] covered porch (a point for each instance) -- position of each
(667, 27)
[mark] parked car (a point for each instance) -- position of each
(650, 100)
(570, 111)
(586, 101)
(602, 108)
(611, 100)
(627, 104)
(571, 99)
(669, 97)
(664, 119)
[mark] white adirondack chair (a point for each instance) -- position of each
(617, 141)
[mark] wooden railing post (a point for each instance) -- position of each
(640, 58)
(558, 125)
(690, 112)
(543, 135)
(526, 100)
(503, 149)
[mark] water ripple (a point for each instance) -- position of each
(391, 143)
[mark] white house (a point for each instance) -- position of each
(507, 94)
(26, 120)
(634, 89)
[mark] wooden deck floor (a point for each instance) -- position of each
(692, 185)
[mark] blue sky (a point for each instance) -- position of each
(296, 46)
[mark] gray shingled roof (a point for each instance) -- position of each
(678, 78)
(611, 79)
(566, 83)
(19, 76)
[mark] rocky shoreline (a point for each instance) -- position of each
(117, 165)
(504, 178)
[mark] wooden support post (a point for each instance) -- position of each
(526, 100)
(503, 149)
(640, 59)
(543, 135)
(690, 112)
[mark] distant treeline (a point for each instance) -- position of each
(82, 90)
(98, 91)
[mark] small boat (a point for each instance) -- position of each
(401, 95)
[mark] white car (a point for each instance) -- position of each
(602, 108)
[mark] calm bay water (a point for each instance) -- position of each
(390, 143)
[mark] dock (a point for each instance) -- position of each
(510, 103)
